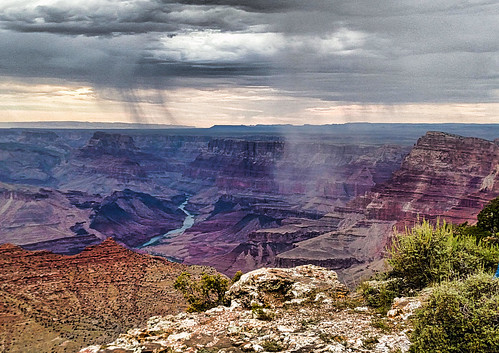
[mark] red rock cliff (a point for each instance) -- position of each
(444, 175)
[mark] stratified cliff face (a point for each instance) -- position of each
(106, 143)
(57, 303)
(295, 168)
(446, 176)
(110, 162)
(334, 172)
(104, 163)
(238, 164)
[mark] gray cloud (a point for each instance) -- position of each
(92, 19)
(360, 51)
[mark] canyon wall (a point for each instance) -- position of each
(444, 176)
(260, 197)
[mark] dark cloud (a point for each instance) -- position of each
(137, 17)
(260, 6)
(362, 51)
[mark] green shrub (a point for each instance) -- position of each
(420, 254)
(204, 294)
(468, 256)
(370, 342)
(459, 316)
(472, 231)
(380, 294)
(272, 346)
(261, 313)
(429, 254)
(382, 324)
(237, 276)
(488, 218)
(487, 226)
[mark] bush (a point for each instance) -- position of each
(380, 294)
(465, 230)
(459, 316)
(204, 294)
(429, 254)
(261, 313)
(468, 256)
(237, 277)
(272, 346)
(420, 255)
(487, 226)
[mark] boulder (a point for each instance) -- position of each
(275, 287)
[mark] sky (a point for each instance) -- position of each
(202, 62)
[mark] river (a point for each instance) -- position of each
(188, 223)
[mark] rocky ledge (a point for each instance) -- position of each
(303, 309)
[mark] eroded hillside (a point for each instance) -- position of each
(56, 303)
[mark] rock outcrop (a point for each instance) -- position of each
(276, 287)
(106, 143)
(308, 312)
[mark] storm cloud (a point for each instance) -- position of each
(365, 51)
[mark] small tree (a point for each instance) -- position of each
(488, 218)
(237, 276)
(204, 294)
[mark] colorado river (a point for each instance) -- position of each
(188, 222)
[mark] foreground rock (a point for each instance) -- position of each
(275, 287)
(304, 310)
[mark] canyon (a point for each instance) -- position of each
(257, 197)
(445, 177)
(88, 218)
